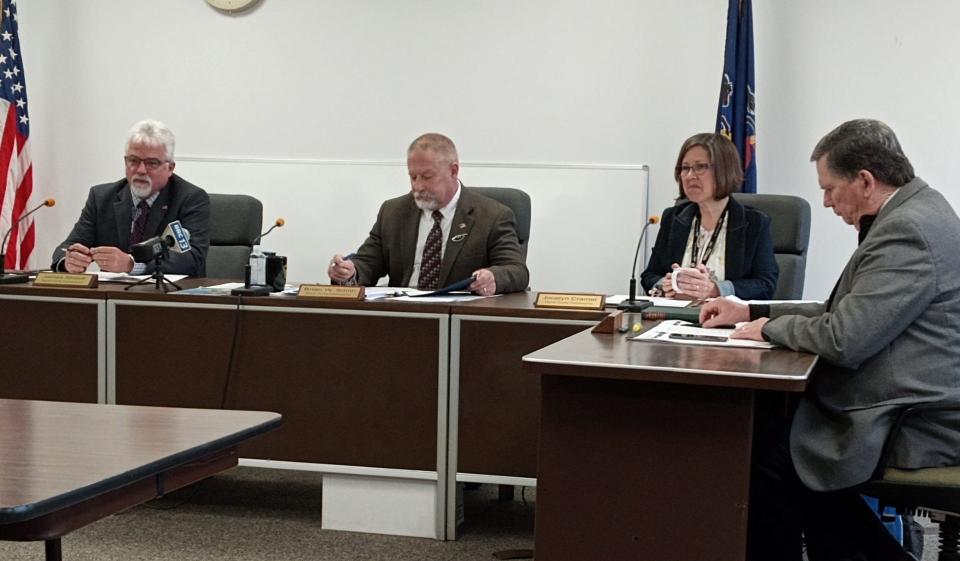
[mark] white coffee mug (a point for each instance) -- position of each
(676, 273)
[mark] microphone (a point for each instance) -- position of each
(14, 278)
(277, 224)
(632, 305)
(174, 238)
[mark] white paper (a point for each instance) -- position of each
(451, 297)
(662, 331)
(104, 276)
(615, 299)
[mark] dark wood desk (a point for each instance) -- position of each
(494, 404)
(44, 330)
(65, 465)
(645, 447)
(433, 389)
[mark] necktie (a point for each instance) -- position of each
(430, 262)
(140, 224)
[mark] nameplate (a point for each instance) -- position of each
(65, 280)
(570, 300)
(331, 292)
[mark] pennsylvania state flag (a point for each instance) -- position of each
(736, 112)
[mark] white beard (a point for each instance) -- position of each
(426, 202)
(142, 188)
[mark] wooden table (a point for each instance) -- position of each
(65, 465)
(645, 446)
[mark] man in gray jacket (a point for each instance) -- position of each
(887, 338)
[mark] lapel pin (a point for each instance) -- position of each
(458, 238)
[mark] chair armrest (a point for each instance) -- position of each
(904, 415)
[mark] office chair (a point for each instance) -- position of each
(517, 201)
(935, 491)
(235, 222)
(790, 228)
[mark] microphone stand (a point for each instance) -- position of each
(10, 278)
(15, 278)
(158, 277)
(632, 304)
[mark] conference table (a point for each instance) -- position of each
(422, 395)
(644, 449)
(64, 465)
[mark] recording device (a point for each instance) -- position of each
(174, 238)
(266, 272)
(14, 278)
(632, 304)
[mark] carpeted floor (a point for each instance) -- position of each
(272, 515)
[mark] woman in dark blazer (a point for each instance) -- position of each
(723, 247)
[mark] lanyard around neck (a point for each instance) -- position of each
(696, 258)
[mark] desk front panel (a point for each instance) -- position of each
(355, 388)
(52, 348)
(635, 470)
(499, 404)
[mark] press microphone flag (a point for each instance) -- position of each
(15, 278)
(631, 304)
(180, 235)
(174, 238)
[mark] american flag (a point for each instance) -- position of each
(16, 169)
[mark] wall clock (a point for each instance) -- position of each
(231, 5)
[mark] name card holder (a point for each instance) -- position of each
(570, 300)
(613, 323)
(65, 280)
(331, 292)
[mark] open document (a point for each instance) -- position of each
(456, 292)
(676, 331)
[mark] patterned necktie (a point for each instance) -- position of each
(430, 263)
(140, 224)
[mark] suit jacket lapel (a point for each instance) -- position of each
(459, 234)
(900, 196)
(408, 240)
(680, 231)
(736, 239)
(123, 212)
(158, 211)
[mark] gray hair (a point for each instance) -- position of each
(152, 133)
(864, 144)
(438, 144)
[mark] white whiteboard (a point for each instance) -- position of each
(585, 217)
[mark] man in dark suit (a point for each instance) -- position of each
(439, 233)
(118, 215)
(887, 340)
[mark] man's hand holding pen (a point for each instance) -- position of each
(77, 258)
(484, 283)
(342, 269)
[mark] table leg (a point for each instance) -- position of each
(53, 550)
